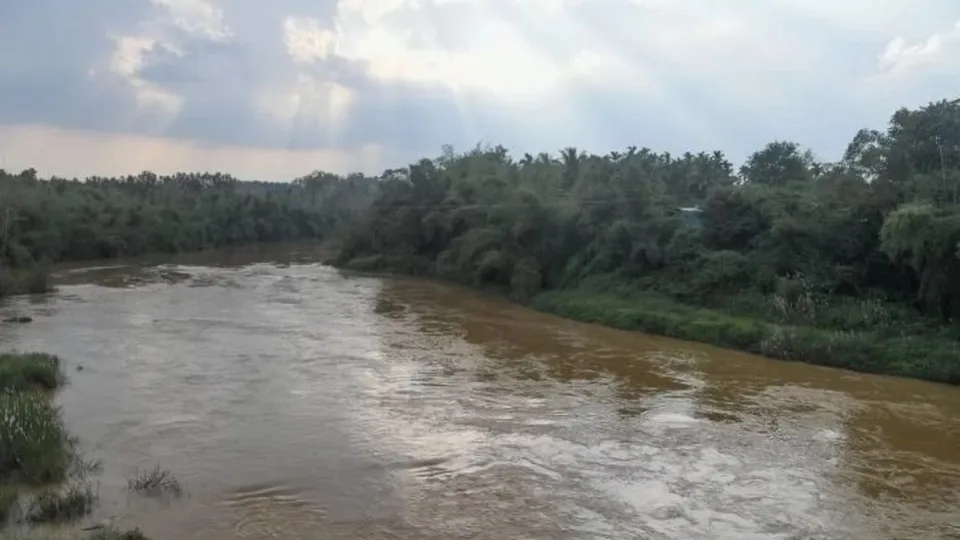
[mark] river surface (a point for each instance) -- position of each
(293, 401)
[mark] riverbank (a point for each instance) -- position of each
(922, 357)
(859, 335)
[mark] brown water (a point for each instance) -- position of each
(296, 402)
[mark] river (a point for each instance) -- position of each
(293, 401)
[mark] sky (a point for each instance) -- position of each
(272, 90)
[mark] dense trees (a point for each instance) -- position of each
(881, 222)
(868, 244)
(44, 221)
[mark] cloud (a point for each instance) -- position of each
(939, 51)
(406, 76)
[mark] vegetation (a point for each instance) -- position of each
(852, 264)
(156, 481)
(61, 504)
(30, 371)
(34, 445)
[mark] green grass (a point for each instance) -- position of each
(923, 357)
(35, 447)
(30, 371)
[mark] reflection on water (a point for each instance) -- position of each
(296, 402)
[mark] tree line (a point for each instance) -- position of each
(56, 219)
(883, 222)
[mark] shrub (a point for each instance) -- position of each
(59, 505)
(155, 482)
(34, 445)
(30, 371)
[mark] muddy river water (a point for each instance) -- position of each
(293, 401)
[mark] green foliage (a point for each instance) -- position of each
(779, 163)
(43, 221)
(34, 445)
(861, 350)
(30, 371)
(926, 241)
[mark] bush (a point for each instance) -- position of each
(30, 371)
(59, 505)
(34, 445)
(156, 481)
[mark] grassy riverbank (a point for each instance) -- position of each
(930, 357)
(43, 478)
(865, 335)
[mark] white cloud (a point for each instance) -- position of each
(127, 61)
(409, 75)
(495, 56)
(202, 19)
(901, 57)
(199, 17)
(306, 40)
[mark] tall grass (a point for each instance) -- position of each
(928, 357)
(33, 280)
(30, 371)
(155, 481)
(35, 447)
(55, 505)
